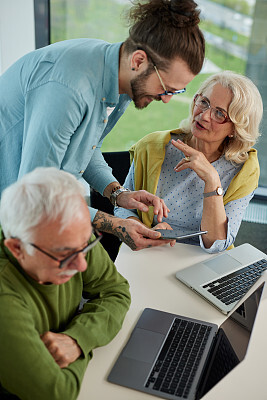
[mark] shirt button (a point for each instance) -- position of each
(103, 99)
(105, 121)
(81, 172)
(93, 147)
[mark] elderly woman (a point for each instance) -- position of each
(206, 171)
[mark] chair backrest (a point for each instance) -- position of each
(119, 161)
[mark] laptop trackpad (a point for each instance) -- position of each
(143, 345)
(222, 264)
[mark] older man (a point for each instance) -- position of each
(49, 258)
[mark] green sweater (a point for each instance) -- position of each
(28, 309)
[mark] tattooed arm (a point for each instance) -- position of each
(136, 235)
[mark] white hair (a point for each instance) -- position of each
(43, 194)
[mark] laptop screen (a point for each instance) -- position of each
(232, 341)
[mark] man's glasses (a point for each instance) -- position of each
(217, 114)
(167, 92)
(65, 261)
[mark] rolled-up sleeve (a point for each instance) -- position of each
(98, 173)
(128, 183)
(235, 211)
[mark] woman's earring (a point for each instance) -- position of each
(230, 136)
(133, 69)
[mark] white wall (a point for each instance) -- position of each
(17, 35)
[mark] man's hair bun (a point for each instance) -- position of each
(184, 13)
(177, 13)
(167, 29)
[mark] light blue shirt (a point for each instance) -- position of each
(53, 111)
(183, 194)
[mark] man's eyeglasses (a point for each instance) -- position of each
(167, 92)
(65, 261)
(217, 114)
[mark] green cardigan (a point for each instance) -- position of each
(148, 155)
(28, 309)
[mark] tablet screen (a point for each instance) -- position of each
(179, 233)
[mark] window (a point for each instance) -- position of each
(42, 23)
(236, 39)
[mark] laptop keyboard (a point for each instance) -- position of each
(176, 366)
(232, 287)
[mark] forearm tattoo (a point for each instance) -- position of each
(104, 222)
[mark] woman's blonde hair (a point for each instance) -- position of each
(245, 111)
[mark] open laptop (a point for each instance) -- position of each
(176, 357)
(224, 279)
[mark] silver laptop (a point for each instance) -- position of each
(175, 357)
(224, 279)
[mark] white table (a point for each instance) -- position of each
(151, 274)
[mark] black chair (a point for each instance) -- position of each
(119, 161)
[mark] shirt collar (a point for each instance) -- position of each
(111, 75)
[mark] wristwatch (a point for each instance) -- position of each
(216, 192)
(115, 194)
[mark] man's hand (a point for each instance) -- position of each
(62, 348)
(135, 234)
(141, 200)
(165, 225)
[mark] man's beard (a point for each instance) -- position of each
(137, 85)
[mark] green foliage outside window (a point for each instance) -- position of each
(103, 19)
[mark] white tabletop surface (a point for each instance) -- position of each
(151, 274)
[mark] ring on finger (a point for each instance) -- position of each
(187, 158)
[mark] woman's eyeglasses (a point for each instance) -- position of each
(216, 113)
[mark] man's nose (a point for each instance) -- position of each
(166, 98)
(79, 262)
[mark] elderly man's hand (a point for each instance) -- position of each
(62, 348)
(141, 200)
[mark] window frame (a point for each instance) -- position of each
(43, 38)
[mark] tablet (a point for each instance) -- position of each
(179, 234)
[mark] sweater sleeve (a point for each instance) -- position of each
(109, 298)
(27, 369)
